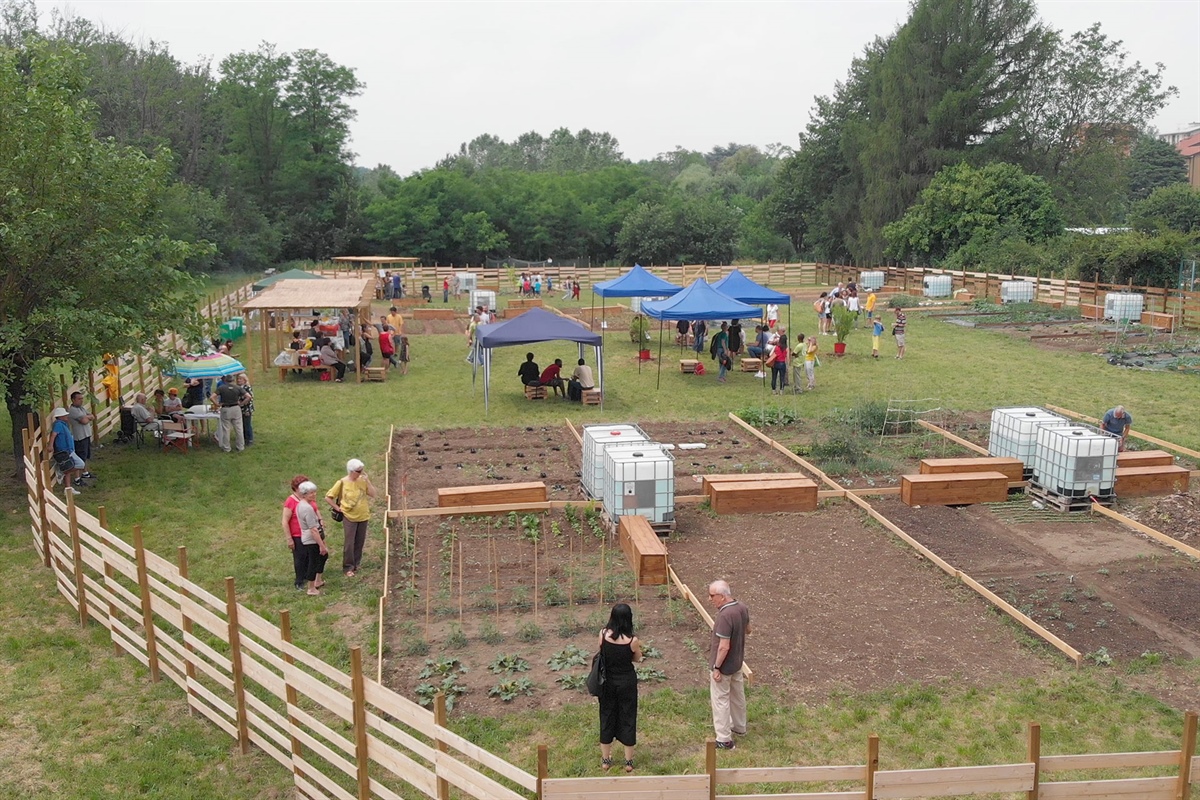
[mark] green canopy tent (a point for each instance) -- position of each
(291, 274)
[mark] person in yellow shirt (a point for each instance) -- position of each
(870, 306)
(810, 362)
(395, 319)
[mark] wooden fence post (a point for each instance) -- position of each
(77, 549)
(110, 576)
(235, 657)
(872, 766)
(1184, 789)
(188, 667)
(710, 766)
(39, 492)
(1033, 754)
(147, 610)
(543, 767)
(439, 719)
(285, 633)
(362, 757)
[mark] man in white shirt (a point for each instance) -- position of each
(581, 379)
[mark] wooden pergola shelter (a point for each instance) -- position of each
(290, 296)
(376, 262)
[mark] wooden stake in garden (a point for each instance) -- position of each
(412, 571)
(570, 569)
(461, 570)
(603, 542)
(535, 578)
(428, 587)
(496, 559)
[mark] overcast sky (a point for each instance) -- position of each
(655, 75)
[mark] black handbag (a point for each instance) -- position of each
(598, 675)
(337, 516)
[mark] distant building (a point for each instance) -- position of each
(1178, 136)
(1189, 148)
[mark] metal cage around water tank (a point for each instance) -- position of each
(870, 280)
(1075, 461)
(1013, 432)
(1017, 292)
(640, 480)
(595, 439)
(939, 286)
(1124, 306)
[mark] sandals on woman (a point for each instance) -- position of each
(629, 765)
(606, 764)
(313, 592)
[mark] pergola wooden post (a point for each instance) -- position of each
(287, 296)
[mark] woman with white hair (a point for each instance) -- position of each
(350, 500)
(312, 537)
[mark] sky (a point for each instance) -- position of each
(655, 75)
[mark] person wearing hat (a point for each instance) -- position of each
(62, 445)
(173, 406)
(229, 397)
(350, 499)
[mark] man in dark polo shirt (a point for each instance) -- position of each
(229, 396)
(727, 684)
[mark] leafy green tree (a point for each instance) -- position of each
(1175, 207)
(688, 230)
(1147, 259)
(964, 206)
(1153, 164)
(85, 264)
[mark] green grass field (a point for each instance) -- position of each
(83, 723)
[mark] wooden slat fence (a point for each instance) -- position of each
(1184, 306)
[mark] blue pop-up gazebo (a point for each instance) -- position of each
(698, 301)
(740, 286)
(533, 326)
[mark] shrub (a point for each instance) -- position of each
(529, 632)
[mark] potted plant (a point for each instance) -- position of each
(639, 334)
(843, 322)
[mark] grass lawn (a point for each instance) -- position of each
(85, 723)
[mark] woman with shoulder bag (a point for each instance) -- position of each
(312, 537)
(619, 695)
(350, 498)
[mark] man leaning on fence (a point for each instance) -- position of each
(229, 396)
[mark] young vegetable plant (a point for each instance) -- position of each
(508, 663)
(569, 656)
(510, 690)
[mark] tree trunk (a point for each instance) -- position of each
(18, 411)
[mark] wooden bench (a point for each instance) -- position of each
(1145, 458)
(591, 397)
(763, 497)
(645, 552)
(375, 373)
(535, 392)
(318, 368)
(751, 365)
(491, 495)
(1151, 481)
(953, 489)
(688, 365)
(1012, 467)
(707, 481)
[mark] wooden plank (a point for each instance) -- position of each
(912, 783)
(792, 774)
(956, 439)
(494, 494)
(859, 795)
(402, 766)
(1145, 458)
(954, 488)
(706, 481)
(764, 497)
(1125, 789)
(627, 787)
(1153, 481)
(493, 508)
(1070, 763)
(1146, 529)
(1013, 468)
(644, 551)
(472, 781)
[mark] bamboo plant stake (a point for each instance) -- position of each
(461, 570)
(496, 560)
(603, 542)
(428, 587)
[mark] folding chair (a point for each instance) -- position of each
(175, 436)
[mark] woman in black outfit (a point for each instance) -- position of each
(618, 695)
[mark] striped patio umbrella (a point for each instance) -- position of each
(212, 365)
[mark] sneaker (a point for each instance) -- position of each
(760, 374)
(738, 733)
(87, 475)
(726, 745)
(72, 490)
(77, 482)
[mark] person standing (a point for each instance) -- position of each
(228, 397)
(772, 315)
(720, 351)
(876, 334)
(618, 695)
(727, 684)
(351, 497)
(405, 355)
(898, 332)
(312, 538)
(445, 290)
(396, 320)
(810, 362)
(779, 367)
(80, 422)
(292, 532)
(62, 448)
(699, 335)
(1117, 422)
(243, 383)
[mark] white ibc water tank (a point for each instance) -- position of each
(1123, 306)
(1074, 461)
(635, 305)
(468, 281)
(483, 297)
(1016, 292)
(1014, 432)
(938, 286)
(595, 439)
(640, 480)
(870, 280)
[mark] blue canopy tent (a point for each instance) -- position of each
(740, 287)
(698, 301)
(535, 325)
(638, 282)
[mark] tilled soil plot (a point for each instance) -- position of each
(423, 461)
(1090, 581)
(836, 605)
